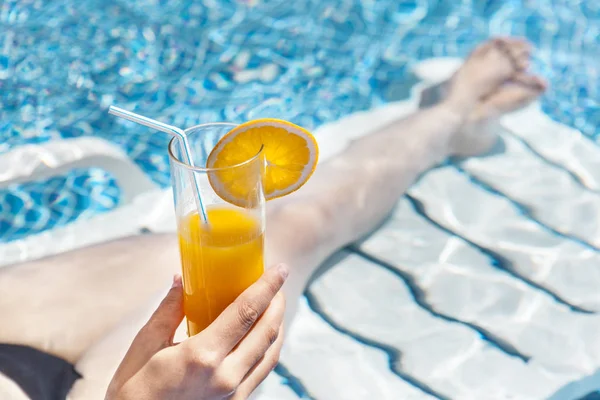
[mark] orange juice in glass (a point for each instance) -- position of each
(222, 250)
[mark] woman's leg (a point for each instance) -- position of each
(352, 193)
(63, 304)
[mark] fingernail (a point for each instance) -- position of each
(283, 270)
(176, 281)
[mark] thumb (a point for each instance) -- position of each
(154, 336)
(159, 330)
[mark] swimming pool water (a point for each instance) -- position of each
(63, 62)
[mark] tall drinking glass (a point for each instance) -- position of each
(222, 258)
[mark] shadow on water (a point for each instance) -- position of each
(393, 354)
(583, 389)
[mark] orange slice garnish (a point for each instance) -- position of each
(290, 154)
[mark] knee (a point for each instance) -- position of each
(299, 225)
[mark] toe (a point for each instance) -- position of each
(517, 93)
(520, 52)
(534, 82)
(517, 50)
(520, 55)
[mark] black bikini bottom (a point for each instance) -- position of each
(40, 375)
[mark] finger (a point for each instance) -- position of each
(156, 334)
(260, 371)
(256, 343)
(232, 325)
(159, 330)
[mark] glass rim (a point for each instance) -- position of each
(189, 167)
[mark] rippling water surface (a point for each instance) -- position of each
(63, 62)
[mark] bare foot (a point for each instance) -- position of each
(487, 67)
(490, 83)
(480, 131)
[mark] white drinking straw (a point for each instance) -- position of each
(171, 130)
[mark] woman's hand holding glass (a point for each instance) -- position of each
(227, 360)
